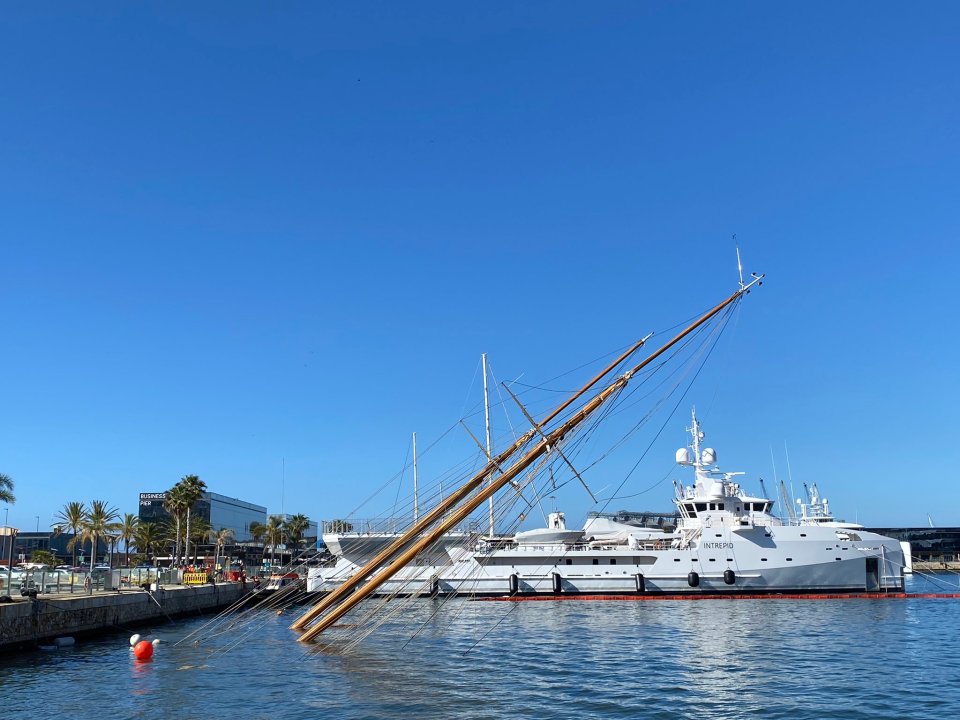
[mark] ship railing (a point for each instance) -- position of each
(486, 546)
(384, 526)
(652, 545)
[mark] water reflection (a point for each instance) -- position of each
(781, 659)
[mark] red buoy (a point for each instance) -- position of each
(143, 650)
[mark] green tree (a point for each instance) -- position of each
(126, 531)
(222, 538)
(6, 489)
(296, 524)
(72, 517)
(257, 531)
(44, 557)
(147, 538)
(273, 533)
(200, 530)
(175, 503)
(97, 525)
(168, 539)
(192, 488)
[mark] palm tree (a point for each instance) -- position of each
(6, 489)
(97, 524)
(199, 533)
(296, 524)
(126, 530)
(72, 517)
(192, 488)
(222, 538)
(147, 537)
(175, 504)
(273, 533)
(257, 531)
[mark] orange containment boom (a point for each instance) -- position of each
(732, 596)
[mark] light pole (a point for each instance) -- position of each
(38, 522)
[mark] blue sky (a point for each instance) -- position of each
(236, 238)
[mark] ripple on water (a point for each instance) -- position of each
(771, 659)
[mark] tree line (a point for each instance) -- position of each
(179, 538)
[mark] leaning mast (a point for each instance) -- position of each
(410, 544)
(392, 550)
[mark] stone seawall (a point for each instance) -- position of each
(35, 622)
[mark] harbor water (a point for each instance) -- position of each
(890, 658)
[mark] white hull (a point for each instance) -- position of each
(726, 542)
(359, 548)
(779, 559)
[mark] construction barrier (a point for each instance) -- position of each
(194, 578)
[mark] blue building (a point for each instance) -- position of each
(218, 510)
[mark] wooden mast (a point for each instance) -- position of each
(359, 592)
(418, 527)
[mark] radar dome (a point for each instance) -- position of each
(684, 457)
(709, 456)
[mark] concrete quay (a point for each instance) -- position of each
(33, 622)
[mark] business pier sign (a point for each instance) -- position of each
(148, 499)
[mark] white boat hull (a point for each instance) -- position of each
(781, 559)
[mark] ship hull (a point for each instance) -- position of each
(781, 559)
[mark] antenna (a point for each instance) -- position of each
(739, 264)
(416, 499)
(789, 471)
(486, 415)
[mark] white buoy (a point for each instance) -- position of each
(156, 641)
(134, 639)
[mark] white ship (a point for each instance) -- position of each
(353, 544)
(725, 542)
